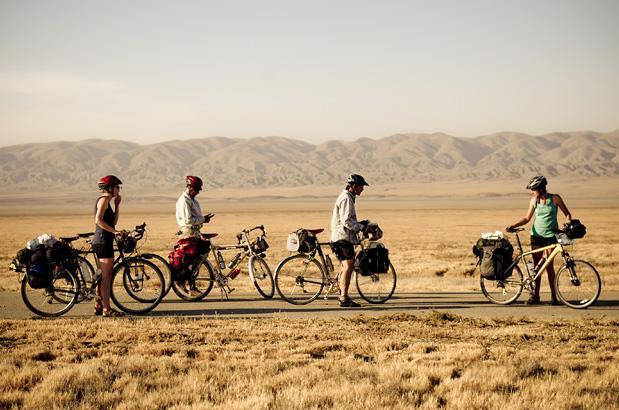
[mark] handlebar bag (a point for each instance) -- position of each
(574, 229)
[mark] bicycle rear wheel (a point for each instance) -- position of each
(198, 285)
(54, 300)
(164, 267)
(299, 280)
(262, 277)
(137, 286)
(376, 287)
(503, 292)
(578, 285)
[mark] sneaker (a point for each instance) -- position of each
(192, 291)
(555, 302)
(348, 302)
(533, 300)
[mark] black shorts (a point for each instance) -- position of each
(344, 250)
(540, 242)
(103, 250)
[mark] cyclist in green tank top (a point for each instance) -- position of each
(544, 206)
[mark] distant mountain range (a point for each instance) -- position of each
(277, 161)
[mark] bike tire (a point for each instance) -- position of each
(203, 277)
(578, 286)
(164, 267)
(261, 276)
(47, 296)
(291, 277)
(133, 301)
(503, 292)
(378, 287)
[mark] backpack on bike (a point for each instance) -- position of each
(495, 255)
(185, 253)
(374, 259)
(574, 229)
(301, 241)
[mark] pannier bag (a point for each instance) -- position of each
(185, 253)
(38, 270)
(301, 241)
(574, 229)
(38, 276)
(495, 255)
(372, 260)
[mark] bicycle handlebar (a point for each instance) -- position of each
(258, 227)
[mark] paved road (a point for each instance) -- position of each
(471, 304)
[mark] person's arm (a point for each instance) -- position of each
(195, 213)
(347, 215)
(102, 204)
(563, 208)
(117, 200)
(526, 218)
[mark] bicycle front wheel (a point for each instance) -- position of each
(299, 279)
(578, 285)
(137, 286)
(376, 287)
(164, 267)
(503, 292)
(54, 300)
(197, 285)
(262, 277)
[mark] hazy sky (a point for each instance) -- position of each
(149, 71)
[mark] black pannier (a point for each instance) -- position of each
(38, 271)
(23, 256)
(495, 255)
(60, 252)
(372, 260)
(574, 229)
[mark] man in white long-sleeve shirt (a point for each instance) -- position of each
(344, 228)
(188, 212)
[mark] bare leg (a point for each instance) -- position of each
(106, 266)
(551, 278)
(347, 268)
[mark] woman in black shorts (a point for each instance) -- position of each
(543, 205)
(106, 219)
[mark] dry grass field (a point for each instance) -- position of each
(399, 361)
(430, 245)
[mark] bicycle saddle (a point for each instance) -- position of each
(514, 230)
(209, 235)
(315, 231)
(85, 235)
(69, 239)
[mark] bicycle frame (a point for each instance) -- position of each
(246, 251)
(543, 264)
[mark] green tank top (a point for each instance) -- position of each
(545, 218)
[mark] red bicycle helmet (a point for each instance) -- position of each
(108, 181)
(194, 182)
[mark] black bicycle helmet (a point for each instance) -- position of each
(537, 182)
(357, 179)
